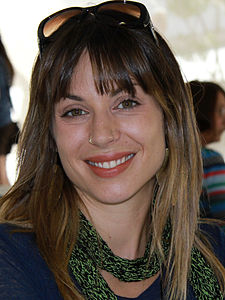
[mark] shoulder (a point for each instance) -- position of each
(23, 272)
(13, 235)
(213, 164)
(216, 237)
(211, 157)
(17, 243)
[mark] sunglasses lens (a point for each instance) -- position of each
(58, 20)
(129, 9)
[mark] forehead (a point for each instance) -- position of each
(83, 71)
(86, 77)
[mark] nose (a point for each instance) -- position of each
(104, 130)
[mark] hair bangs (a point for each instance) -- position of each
(118, 64)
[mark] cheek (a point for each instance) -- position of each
(218, 122)
(154, 140)
(68, 138)
(152, 128)
(149, 134)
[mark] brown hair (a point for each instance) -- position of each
(204, 95)
(45, 200)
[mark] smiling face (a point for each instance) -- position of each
(127, 139)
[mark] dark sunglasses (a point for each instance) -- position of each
(136, 10)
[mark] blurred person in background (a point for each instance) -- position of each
(8, 129)
(209, 103)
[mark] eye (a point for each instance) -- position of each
(128, 104)
(76, 112)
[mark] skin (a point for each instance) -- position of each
(218, 122)
(3, 174)
(117, 199)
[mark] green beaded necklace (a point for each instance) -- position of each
(91, 253)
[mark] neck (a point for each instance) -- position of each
(123, 227)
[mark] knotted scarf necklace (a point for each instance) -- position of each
(91, 253)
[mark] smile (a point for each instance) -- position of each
(112, 163)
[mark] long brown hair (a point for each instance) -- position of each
(43, 199)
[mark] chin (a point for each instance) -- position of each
(114, 200)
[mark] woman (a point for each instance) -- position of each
(109, 180)
(8, 129)
(209, 103)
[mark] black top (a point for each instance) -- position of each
(24, 275)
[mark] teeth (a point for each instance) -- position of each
(111, 164)
(105, 165)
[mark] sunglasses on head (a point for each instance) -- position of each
(137, 11)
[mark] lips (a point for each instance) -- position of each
(105, 166)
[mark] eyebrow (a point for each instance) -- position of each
(116, 92)
(74, 97)
(80, 99)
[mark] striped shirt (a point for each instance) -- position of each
(214, 183)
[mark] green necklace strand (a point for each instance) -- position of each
(91, 253)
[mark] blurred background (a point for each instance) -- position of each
(195, 30)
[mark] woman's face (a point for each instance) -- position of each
(219, 116)
(127, 133)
